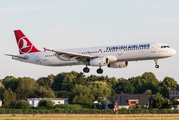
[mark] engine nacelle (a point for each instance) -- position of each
(111, 58)
(101, 61)
(118, 64)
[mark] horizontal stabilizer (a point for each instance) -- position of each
(21, 57)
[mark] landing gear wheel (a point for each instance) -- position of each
(86, 70)
(99, 71)
(156, 66)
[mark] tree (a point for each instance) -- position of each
(178, 87)
(147, 86)
(46, 81)
(23, 94)
(64, 81)
(99, 89)
(112, 83)
(137, 83)
(81, 80)
(165, 104)
(150, 77)
(26, 88)
(148, 92)
(6, 81)
(81, 95)
(157, 101)
(6, 99)
(125, 86)
(44, 93)
(175, 102)
(92, 78)
(13, 84)
(28, 83)
(147, 81)
(1, 93)
(1, 85)
(168, 84)
(103, 103)
(22, 104)
(61, 94)
(45, 103)
(2, 88)
(9, 98)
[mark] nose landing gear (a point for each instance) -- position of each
(156, 65)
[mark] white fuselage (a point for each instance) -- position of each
(129, 52)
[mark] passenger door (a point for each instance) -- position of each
(119, 51)
(153, 48)
(37, 58)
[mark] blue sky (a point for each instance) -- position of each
(65, 24)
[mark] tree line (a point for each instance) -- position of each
(80, 89)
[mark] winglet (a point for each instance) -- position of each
(45, 49)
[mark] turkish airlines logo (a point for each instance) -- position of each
(24, 45)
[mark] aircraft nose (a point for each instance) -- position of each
(173, 52)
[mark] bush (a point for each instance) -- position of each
(45, 103)
(72, 106)
(110, 106)
(22, 104)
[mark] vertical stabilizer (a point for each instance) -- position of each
(24, 45)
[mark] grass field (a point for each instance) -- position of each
(90, 116)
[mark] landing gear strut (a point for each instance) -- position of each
(86, 70)
(99, 71)
(156, 65)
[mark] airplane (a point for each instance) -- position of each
(114, 56)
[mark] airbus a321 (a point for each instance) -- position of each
(115, 56)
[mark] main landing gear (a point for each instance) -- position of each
(156, 65)
(99, 71)
(86, 70)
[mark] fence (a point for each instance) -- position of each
(91, 111)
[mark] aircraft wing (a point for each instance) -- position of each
(72, 56)
(21, 57)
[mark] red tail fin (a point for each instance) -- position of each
(25, 46)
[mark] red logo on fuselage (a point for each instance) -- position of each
(24, 45)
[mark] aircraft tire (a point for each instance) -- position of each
(99, 71)
(156, 66)
(86, 70)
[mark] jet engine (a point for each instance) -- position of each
(118, 64)
(101, 61)
(112, 58)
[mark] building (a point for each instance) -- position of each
(0, 102)
(174, 94)
(95, 103)
(129, 100)
(34, 101)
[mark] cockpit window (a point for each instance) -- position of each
(165, 46)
